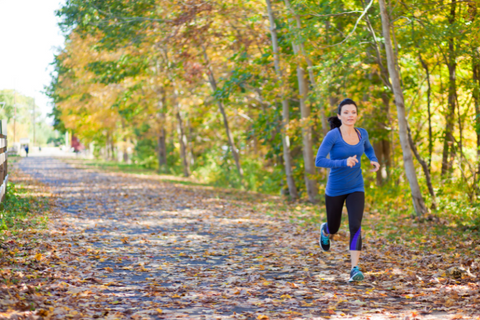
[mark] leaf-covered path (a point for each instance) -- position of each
(126, 246)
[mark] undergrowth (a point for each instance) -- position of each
(21, 210)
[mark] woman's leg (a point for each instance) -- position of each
(354, 257)
(334, 207)
(355, 207)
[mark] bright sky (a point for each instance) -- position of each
(29, 37)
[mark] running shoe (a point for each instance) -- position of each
(356, 275)
(324, 240)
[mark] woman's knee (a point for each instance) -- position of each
(332, 228)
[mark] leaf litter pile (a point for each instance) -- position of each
(121, 246)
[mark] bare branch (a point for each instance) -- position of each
(354, 28)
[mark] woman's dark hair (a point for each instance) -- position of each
(334, 121)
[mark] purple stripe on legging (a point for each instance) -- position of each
(328, 231)
(353, 245)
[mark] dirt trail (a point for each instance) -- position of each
(130, 247)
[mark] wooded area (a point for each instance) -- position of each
(237, 92)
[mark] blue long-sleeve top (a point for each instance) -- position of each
(343, 179)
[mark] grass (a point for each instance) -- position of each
(117, 166)
(21, 209)
(24, 205)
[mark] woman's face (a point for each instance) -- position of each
(348, 115)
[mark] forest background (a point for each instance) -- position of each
(237, 93)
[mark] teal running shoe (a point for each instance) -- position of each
(356, 275)
(324, 240)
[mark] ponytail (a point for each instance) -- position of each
(334, 122)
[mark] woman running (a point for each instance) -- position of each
(346, 145)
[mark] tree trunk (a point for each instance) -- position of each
(180, 126)
(107, 147)
(383, 145)
(476, 98)
(124, 145)
(379, 152)
(292, 188)
(418, 202)
(213, 85)
(161, 143)
(183, 141)
(424, 165)
(112, 146)
(460, 139)
(162, 150)
(311, 76)
(189, 137)
(448, 149)
(387, 143)
(301, 47)
(125, 152)
(429, 100)
(181, 134)
(162, 147)
(308, 157)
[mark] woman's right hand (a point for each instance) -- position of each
(352, 161)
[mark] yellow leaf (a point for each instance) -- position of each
(262, 317)
(42, 313)
(38, 256)
(159, 310)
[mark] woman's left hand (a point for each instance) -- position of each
(376, 165)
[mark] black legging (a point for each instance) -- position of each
(355, 206)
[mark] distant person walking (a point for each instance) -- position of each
(26, 150)
(346, 145)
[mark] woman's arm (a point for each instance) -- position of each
(369, 151)
(327, 145)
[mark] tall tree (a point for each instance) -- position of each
(162, 139)
(476, 99)
(305, 112)
(451, 62)
(292, 188)
(221, 108)
(418, 202)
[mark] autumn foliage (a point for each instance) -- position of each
(191, 88)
